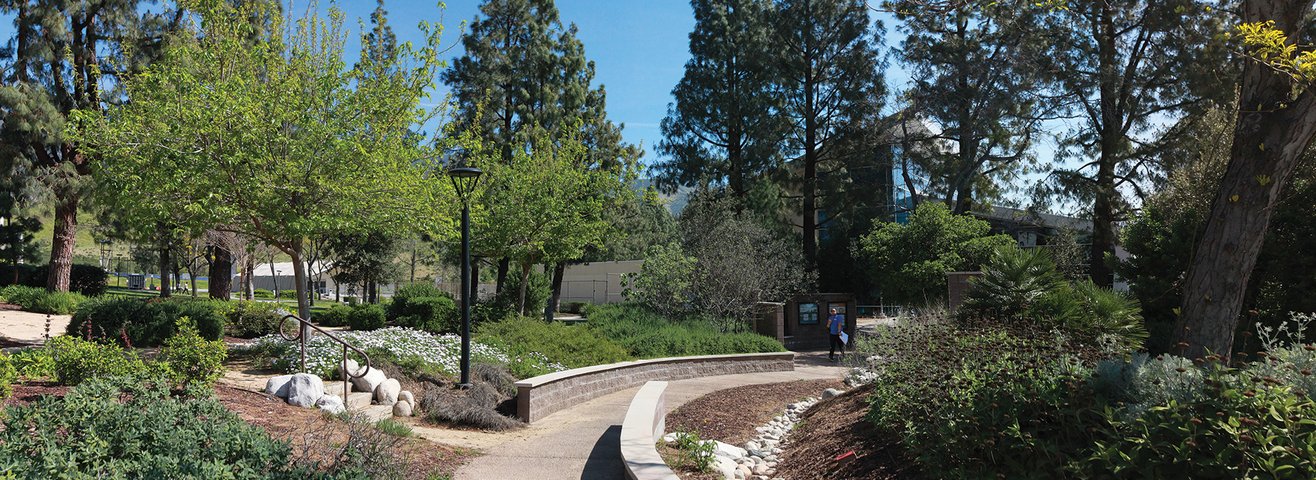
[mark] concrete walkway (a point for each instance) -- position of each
(29, 328)
(582, 442)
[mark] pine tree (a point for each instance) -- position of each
(1121, 65)
(725, 124)
(831, 83)
(974, 75)
(524, 70)
(59, 59)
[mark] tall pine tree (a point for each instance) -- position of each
(1122, 65)
(974, 75)
(725, 123)
(64, 56)
(830, 79)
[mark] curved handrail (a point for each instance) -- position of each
(301, 341)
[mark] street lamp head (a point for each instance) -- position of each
(464, 180)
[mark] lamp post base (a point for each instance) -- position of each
(463, 386)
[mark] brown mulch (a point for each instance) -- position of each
(731, 415)
(28, 392)
(9, 306)
(310, 431)
(835, 427)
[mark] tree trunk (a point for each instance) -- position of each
(810, 210)
(221, 272)
(274, 277)
(166, 260)
(475, 280)
(504, 264)
(299, 279)
(1103, 207)
(1271, 134)
(558, 271)
(61, 245)
(520, 294)
(248, 282)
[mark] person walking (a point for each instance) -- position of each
(835, 327)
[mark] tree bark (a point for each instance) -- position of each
(249, 271)
(520, 294)
(61, 245)
(1103, 207)
(166, 260)
(1271, 134)
(559, 270)
(221, 272)
(299, 277)
(504, 264)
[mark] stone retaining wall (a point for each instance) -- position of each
(643, 426)
(540, 396)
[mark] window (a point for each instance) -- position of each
(839, 307)
(808, 314)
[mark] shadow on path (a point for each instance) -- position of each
(604, 462)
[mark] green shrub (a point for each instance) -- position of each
(423, 307)
(112, 428)
(571, 345)
(88, 280)
(145, 322)
(335, 316)
(1020, 285)
(645, 334)
(985, 401)
(503, 304)
(8, 375)
(192, 360)
(39, 300)
(34, 363)
(288, 294)
(262, 293)
(251, 319)
(77, 360)
(366, 317)
(695, 452)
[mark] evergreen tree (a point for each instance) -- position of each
(830, 79)
(63, 53)
(523, 69)
(974, 75)
(1121, 65)
(725, 124)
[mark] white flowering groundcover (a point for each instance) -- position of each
(441, 351)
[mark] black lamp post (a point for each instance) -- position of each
(464, 180)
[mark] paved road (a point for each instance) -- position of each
(582, 442)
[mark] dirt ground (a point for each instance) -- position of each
(731, 415)
(834, 441)
(18, 328)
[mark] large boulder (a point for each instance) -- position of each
(387, 392)
(352, 368)
(369, 381)
(730, 451)
(406, 396)
(278, 386)
(725, 466)
(304, 390)
(402, 409)
(331, 403)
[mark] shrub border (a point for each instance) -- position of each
(538, 397)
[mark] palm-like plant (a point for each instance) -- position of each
(1013, 281)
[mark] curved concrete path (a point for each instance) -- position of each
(583, 442)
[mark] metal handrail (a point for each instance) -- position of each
(301, 341)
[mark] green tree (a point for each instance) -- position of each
(725, 125)
(910, 260)
(66, 56)
(1122, 65)
(523, 70)
(975, 76)
(306, 146)
(830, 79)
(364, 257)
(546, 205)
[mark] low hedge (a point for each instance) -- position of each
(244, 319)
(573, 346)
(366, 317)
(40, 300)
(145, 322)
(89, 280)
(646, 334)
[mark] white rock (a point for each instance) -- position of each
(369, 381)
(304, 390)
(760, 469)
(386, 393)
(730, 451)
(352, 367)
(671, 437)
(751, 446)
(408, 397)
(331, 403)
(831, 392)
(402, 409)
(725, 466)
(743, 472)
(278, 386)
